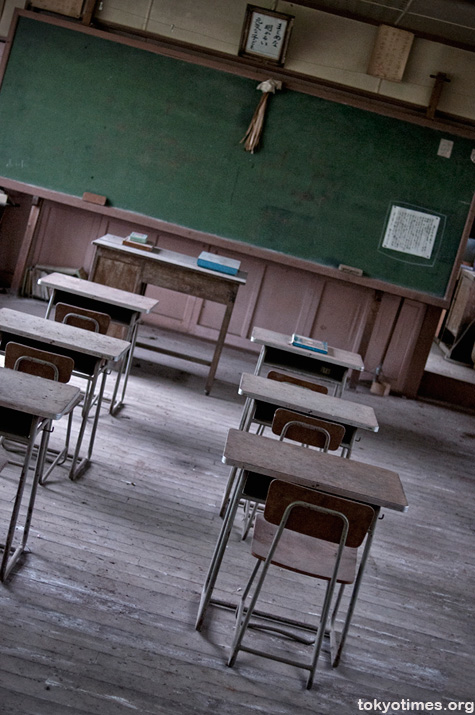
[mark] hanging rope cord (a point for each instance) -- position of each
(253, 134)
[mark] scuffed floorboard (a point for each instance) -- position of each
(99, 619)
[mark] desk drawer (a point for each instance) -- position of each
(117, 313)
(85, 364)
(307, 365)
(17, 425)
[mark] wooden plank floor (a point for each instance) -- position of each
(100, 617)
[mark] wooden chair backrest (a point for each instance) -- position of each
(293, 380)
(319, 525)
(307, 430)
(38, 362)
(82, 318)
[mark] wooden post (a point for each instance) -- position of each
(440, 79)
(26, 245)
(88, 12)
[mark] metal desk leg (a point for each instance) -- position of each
(219, 550)
(78, 466)
(356, 588)
(49, 307)
(260, 360)
(116, 405)
(244, 424)
(9, 560)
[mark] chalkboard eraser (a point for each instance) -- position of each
(350, 269)
(94, 198)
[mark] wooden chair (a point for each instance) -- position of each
(309, 431)
(321, 434)
(86, 319)
(51, 366)
(310, 533)
(264, 412)
(82, 318)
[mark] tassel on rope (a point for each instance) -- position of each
(253, 135)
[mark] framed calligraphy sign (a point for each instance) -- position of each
(265, 35)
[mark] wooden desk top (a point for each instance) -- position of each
(162, 255)
(293, 397)
(64, 336)
(318, 470)
(35, 395)
(280, 341)
(97, 291)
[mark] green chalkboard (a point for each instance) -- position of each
(161, 137)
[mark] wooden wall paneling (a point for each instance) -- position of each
(282, 294)
(13, 224)
(26, 244)
(381, 333)
(64, 236)
(397, 363)
(309, 305)
(415, 371)
(277, 296)
(340, 315)
(175, 311)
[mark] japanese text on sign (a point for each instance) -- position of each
(266, 35)
(411, 231)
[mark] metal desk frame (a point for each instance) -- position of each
(330, 474)
(29, 404)
(124, 308)
(92, 353)
(277, 351)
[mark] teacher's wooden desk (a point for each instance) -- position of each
(124, 308)
(116, 264)
(327, 473)
(28, 404)
(277, 351)
(93, 353)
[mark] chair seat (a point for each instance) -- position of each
(303, 554)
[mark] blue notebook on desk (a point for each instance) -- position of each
(317, 346)
(218, 263)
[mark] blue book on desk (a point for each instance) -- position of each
(218, 263)
(317, 346)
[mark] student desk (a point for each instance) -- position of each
(259, 391)
(308, 467)
(123, 307)
(28, 404)
(92, 353)
(264, 396)
(135, 268)
(278, 351)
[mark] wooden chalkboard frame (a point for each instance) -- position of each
(203, 236)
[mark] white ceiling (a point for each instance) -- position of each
(452, 21)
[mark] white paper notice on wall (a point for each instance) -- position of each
(390, 53)
(445, 148)
(411, 231)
